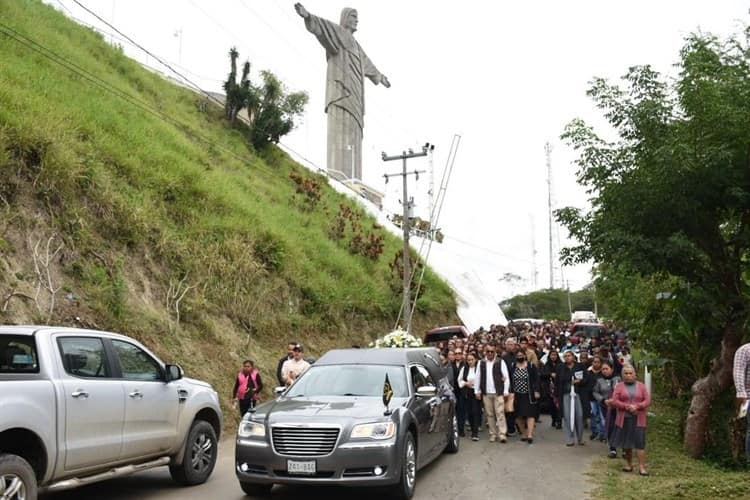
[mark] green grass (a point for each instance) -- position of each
(672, 474)
(140, 204)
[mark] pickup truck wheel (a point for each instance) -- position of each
(200, 455)
(404, 489)
(256, 489)
(17, 479)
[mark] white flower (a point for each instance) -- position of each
(397, 339)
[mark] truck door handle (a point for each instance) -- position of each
(182, 395)
(80, 393)
(136, 394)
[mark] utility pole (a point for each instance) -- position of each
(405, 155)
(548, 152)
(431, 191)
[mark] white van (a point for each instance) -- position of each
(583, 317)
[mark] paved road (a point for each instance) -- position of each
(554, 471)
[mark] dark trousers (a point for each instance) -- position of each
(554, 412)
(474, 411)
(747, 438)
(245, 405)
(461, 404)
(510, 418)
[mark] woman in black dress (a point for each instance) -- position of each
(526, 386)
(549, 374)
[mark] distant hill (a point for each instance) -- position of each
(150, 215)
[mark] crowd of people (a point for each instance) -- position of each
(508, 376)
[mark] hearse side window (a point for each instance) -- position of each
(18, 354)
(420, 377)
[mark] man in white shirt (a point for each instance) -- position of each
(492, 386)
(294, 367)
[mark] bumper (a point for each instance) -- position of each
(347, 465)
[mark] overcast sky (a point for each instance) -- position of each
(506, 76)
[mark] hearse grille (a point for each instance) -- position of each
(304, 441)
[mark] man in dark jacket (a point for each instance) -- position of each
(511, 348)
(455, 367)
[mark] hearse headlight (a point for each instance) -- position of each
(378, 430)
(248, 429)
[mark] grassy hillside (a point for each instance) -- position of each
(143, 211)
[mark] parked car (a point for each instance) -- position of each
(81, 406)
(445, 333)
(331, 426)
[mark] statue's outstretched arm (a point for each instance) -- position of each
(301, 10)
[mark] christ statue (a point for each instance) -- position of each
(348, 65)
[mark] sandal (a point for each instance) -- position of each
(643, 473)
(627, 469)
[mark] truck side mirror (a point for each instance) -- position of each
(174, 372)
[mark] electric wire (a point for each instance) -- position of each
(144, 106)
(132, 100)
(436, 210)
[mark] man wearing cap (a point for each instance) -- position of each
(294, 367)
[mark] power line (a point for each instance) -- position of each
(209, 96)
(488, 250)
(132, 100)
(64, 7)
(193, 84)
(197, 87)
(270, 26)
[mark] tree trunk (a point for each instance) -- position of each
(708, 388)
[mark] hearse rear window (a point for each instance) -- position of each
(18, 354)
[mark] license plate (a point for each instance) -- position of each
(306, 468)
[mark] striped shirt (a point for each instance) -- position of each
(742, 371)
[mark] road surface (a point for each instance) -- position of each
(515, 470)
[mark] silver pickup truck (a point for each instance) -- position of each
(81, 406)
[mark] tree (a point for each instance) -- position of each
(549, 304)
(270, 108)
(236, 94)
(671, 195)
(275, 111)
